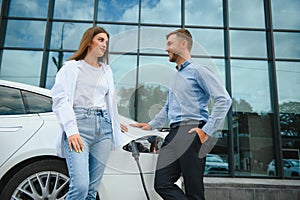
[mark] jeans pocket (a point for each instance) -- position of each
(80, 116)
(106, 117)
(105, 125)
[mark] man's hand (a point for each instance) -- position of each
(76, 143)
(202, 135)
(124, 128)
(143, 126)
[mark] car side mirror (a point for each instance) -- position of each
(147, 144)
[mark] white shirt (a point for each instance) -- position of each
(63, 93)
(91, 87)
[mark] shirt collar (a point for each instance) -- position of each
(184, 65)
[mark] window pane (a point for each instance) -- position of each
(32, 8)
(207, 42)
(286, 14)
(161, 12)
(288, 77)
(21, 66)
(245, 13)
(287, 45)
(37, 103)
(153, 40)
(154, 76)
(11, 101)
(25, 33)
(217, 65)
(54, 65)
(200, 12)
(74, 9)
(289, 107)
(248, 44)
(67, 34)
(252, 90)
(123, 38)
(119, 11)
(253, 143)
(252, 118)
(124, 71)
(156, 69)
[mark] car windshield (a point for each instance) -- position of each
(213, 159)
(296, 163)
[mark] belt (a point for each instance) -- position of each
(198, 123)
(91, 111)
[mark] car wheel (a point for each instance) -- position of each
(295, 174)
(271, 173)
(43, 179)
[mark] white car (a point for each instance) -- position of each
(291, 167)
(215, 165)
(29, 167)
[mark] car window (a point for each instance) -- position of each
(208, 156)
(11, 102)
(37, 103)
(273, 162)
(296, 163)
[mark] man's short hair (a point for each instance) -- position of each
(185, 34)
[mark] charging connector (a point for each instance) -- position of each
(136, 155)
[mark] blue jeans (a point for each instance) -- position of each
(86, 168)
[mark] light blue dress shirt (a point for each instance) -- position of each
(189, 93)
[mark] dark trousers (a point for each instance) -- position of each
(180, 156)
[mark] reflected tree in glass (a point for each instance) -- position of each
(59, 61)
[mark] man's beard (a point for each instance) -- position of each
(173, 58)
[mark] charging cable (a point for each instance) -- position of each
(136, 155)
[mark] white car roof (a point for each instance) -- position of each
(27, 87)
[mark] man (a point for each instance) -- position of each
(187, 111)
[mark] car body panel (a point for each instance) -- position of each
(21, 128)
(40, 144)
(131, 183)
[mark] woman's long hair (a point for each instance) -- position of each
(84, 44)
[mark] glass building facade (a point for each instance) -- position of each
(253, 45)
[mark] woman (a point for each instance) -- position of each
(84, 104)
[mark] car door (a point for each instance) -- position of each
(16, 130)
(16, 126)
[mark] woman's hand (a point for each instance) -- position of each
(76, 143)
(202, 135)
(124, 128)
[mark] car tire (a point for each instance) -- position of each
(294, 174)
(42, 179)
(271, 173)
